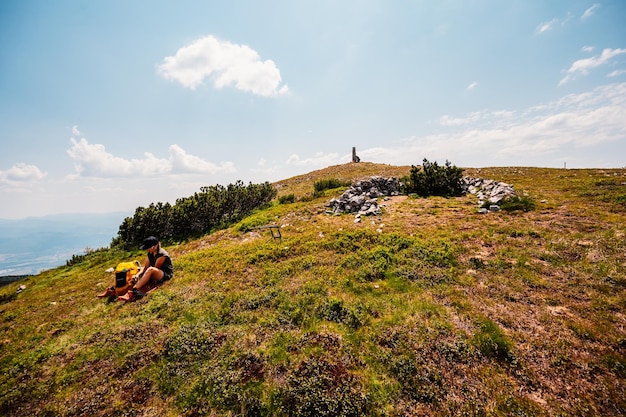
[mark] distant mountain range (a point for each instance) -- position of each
(31, 245)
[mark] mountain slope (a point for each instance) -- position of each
(428, 309)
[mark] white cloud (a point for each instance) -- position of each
(547, 26)
(447, 120)
(472, 86)
(616, 73)
(75, 131)
(583, 66)
(226, 64)
(267, 170)
(92, 160)
(20, 174)
(319, 160)
(588, 49)
(574, 123)
(95, 161)
(473, 117)
(589, 12)
(182, 162)
(552, 24)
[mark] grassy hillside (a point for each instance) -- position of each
(430, 309)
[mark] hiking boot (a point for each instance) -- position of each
(108, 293)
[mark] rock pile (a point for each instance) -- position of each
(490, 191)
(362, 196)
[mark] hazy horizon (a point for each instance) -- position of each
(31, 245)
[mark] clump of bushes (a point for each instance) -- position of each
(334, 310)
(287, 199)
(328, 184)
(212, 208)
(78, 258)
(517, 203)
(434, 180)
(418, 382)
(323, 387)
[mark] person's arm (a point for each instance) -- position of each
(143, 269)
(159, 262)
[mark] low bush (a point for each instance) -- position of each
(418, 382)
(517, 203)
(435, 180)
(329, 184)
(287, 199)
(212, 208)
(492, 342)
(319, 387)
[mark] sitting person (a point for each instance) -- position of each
(157, 269)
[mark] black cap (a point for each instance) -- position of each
(149, 242)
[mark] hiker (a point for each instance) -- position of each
(157, 269)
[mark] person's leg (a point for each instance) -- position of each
(151, 273)
(108, 292)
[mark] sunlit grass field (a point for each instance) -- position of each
(429, 309)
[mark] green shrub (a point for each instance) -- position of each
(212, 208)
(477, 263)
(318, 387)
(329, 184)
(492, 342)
(517, 203)
(422, 382)
(432, 179)
(334, 310)
(287, 199)
(251, 222)
(89, 254)
(616, 364)
(5, 298)
(372, 264)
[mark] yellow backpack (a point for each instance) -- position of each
(124, 273)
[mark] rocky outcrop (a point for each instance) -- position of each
(362, 196)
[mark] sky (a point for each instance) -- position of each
(109, 105)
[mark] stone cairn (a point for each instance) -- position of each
(490, 191)
(362, 196)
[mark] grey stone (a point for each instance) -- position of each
(362, 196)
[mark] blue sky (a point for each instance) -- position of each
(110, 105)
